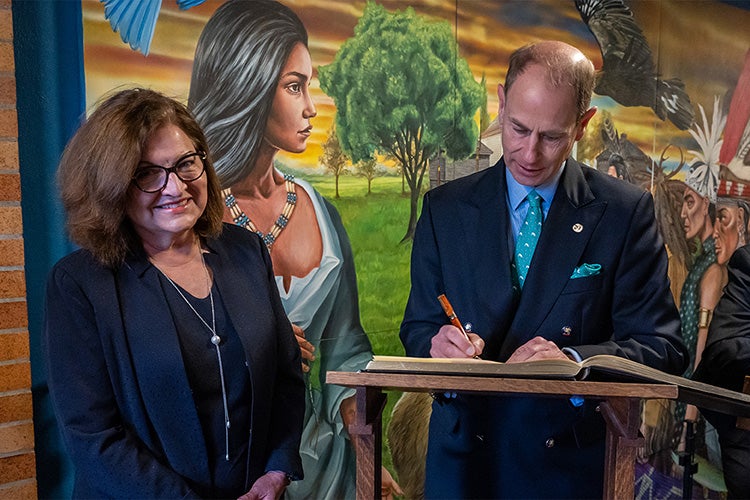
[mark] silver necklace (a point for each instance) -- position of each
(215, 340)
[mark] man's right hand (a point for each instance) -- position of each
(449, 342)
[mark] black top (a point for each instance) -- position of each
(117, 376)
(202, 368)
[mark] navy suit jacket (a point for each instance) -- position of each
(524, 446)
(118, 382)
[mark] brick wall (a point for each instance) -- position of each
(17, 468)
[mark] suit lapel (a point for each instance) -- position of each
(489, 257)
(153, 342)
(571, 221)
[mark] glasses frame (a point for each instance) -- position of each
(173, 170)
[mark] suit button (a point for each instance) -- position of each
(549, 443)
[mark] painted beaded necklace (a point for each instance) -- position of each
(241, 219)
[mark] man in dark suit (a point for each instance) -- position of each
(726, 363)
(597, 284)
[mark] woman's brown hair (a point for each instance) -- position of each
(98, 164)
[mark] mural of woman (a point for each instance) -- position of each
(250, 91)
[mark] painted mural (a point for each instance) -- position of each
(673, 95)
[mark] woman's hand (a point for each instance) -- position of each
(305, 347)
(269, 486)
(388, 486)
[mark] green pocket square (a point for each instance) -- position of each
(585, 270)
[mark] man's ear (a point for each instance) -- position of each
(741, 216)
(584, 121)
(500, 100)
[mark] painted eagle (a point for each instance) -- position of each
(628, 74)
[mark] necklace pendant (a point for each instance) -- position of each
(215, 339)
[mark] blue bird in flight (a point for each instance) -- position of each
(135, 20)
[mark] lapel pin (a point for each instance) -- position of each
(577, 228)
(566, 331)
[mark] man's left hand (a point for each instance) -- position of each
(536, 349)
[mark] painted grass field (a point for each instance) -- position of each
(375, 224)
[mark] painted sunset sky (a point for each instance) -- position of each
(702, 42)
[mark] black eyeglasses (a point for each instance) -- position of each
(154, 178)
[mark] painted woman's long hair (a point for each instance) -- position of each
(238, 62)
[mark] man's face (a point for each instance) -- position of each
(694, 213)
(539, 126)
(729, 231)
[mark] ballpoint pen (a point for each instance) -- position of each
(448, 308)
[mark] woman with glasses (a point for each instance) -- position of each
(173, 368)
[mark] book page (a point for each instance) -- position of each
(548, 368)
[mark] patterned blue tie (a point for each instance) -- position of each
(528, 236)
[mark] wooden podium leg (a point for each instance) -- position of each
(367, 432)
(623, 419)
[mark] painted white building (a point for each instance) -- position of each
(443, 170)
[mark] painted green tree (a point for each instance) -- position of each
(401, 90)
(333, 157)
(368, 168)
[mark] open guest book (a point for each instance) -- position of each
(602, 367)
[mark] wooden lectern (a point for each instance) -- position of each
(620, 407)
